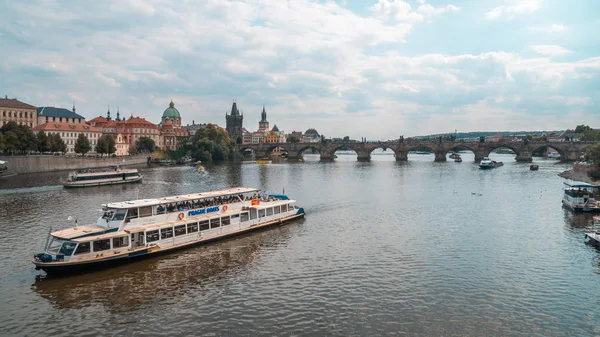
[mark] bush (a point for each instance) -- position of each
(594, 174)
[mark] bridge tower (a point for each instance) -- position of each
(234, 124)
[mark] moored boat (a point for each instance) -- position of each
(3, 168)
(98, 177)
(487, 163)
(534, 167)
(554, 155)
(135, 229)
(580, 197)
(593, 237)
(457, 158)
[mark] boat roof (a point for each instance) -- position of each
(79, 231)
(579, 184)
(3, 162)
(180, 198)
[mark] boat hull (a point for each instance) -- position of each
(580, 209)
(150, 251)
(102, 183)
(593, 239)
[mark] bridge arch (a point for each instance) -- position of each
(277, 147)
(384, 147)
(493, 147)
(308, 146)
(244, 150)
(549, 146)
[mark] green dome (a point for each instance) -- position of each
(171, 112)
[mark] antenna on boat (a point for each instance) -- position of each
(70, 218)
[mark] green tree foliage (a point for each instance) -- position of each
(145, 144)
(106, 145)
(11, 141)
(82, 145)
(1, 142)
(56, 143)
(26, 139)
(346, 139)
(592, 155)
(590, 134)
(293, 139)
(42, 141)
(211, 143)
(582, 128)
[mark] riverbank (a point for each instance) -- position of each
(38, 164)
(579, 174)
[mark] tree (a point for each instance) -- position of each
(293, 139)
(132, 149)
(144, 144)
(211, 143)
(42, 141)
(56, 143)
(582, 128)
(346, 139)
(590, 134)
(1, 142)
(592, 155)
(106, 144)
(82, 145)
(11, 141)
(26, 140)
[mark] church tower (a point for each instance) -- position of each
(234, 124)
(263, 125)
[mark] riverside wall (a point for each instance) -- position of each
(37, 164)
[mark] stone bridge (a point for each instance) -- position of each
(569, 151)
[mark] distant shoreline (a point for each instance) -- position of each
(578, 174)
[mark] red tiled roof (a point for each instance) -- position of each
(14, 103)
(98, 119)
(64, 126)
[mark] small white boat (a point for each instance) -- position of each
(593, 237)
(554, 155)
(98, 177)
(4, 168)
(581, 197)
(136, 229)
(487, 163)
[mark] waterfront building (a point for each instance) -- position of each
(173, 135)
(234, 123)
(191, 129)
(15, 110)
(310, 136)
(70, 131)
(47, 114)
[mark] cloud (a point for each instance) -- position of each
(550, 50)
(513, 8)
(393, 68)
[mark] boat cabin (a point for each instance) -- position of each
(581, 196)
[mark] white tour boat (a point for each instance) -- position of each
(554, 155)
(135, 229)
(580, 197)
(593, 237)
(487, 163)
(97, 177)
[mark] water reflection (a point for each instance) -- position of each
(163, 278)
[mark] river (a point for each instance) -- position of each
(411, 248)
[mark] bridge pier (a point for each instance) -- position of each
(524, 156)
(401, 155)
(569, 155)
(440, 156)
(326, 157)
(479, 155)
(364, 158)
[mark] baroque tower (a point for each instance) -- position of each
(234, 124)
(263, 125)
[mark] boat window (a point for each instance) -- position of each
(252, 213)
(145, 211)
(100, 245)
(122, 241)
(166, 233)
(55, 245)
(244, 217)
(132, 213)
(192, 227)
(261, 213)
(215, 223)
(152, 236)
(234, 216)
(269, 211)
(82, 248)
(119, 215)
(284, 208)
(225, 221)
(161, 209)
(203, 225)
(67, 248)
(180, 230)
(108, 215)
(276, 210)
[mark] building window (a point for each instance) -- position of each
(31, 115)
(46, 119)
(54, 119)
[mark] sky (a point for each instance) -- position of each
(377, 69)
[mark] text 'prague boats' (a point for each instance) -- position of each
(98, 177)
(139, 228)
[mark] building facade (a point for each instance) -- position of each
(69, 132)
(12, 109)
(234, 124)
(48, 114)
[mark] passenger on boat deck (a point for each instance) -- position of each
(160, 209)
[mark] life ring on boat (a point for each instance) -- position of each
(224, 208)
(180, 216)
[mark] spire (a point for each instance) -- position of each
(73, 106)
(108, 113)
(263, 115)
(118, 114)
(234, 109)
(171, 105)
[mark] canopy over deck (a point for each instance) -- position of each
(180, 198)
(579, 184)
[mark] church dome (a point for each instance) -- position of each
(312, 133)
(171, 112)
